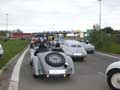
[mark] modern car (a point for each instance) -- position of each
(74, 49)
(1, 51)
(51, 63)
(113, 75)
(88, 47)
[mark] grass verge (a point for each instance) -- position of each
(114, 48)
(11, 48)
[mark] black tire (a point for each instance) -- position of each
(56, 61)
(35, 76)
(82, 58)
(31, 64)
(110, 75)
(68, 75)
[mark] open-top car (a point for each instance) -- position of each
(74, 49)
(51, 63)
(113, 75)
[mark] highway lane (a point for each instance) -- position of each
(89, 75)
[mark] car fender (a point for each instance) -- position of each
(31, 51)
(36, 66)
(115, 65)
(70, 63)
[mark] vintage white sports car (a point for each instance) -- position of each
(1, 51)
(51, 63)
(88, 47)
(74, 49)
(113, 75)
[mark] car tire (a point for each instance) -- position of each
(56, 61)
(68, 75)
(35, 76)
(31, 64)
(82, 58)
(113, 79)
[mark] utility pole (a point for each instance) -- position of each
(6, 21)
(100, 13)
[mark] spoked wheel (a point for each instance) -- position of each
(114, 80)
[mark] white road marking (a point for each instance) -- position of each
(108, 55)
(13, 85)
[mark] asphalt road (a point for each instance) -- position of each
(89, 75)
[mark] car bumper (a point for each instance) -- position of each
(63, 73)
(78, 56)
(90, 50)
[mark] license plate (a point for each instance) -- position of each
(56, 72)
(77, 54)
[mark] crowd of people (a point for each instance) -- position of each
(45, 44)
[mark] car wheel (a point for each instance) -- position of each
(82, 58)
(31, 64)
(55, 59)
(113, 79)
(92, 51)
(35, 76)
(68, 75)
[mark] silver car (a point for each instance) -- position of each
(74, 49)
(88, 47)
(1, 51)
(51, 63)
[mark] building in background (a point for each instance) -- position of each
(20, 35)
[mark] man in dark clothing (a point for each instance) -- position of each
(57, 48)
(42, 48)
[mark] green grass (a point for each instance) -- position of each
(11, 48)
(114, 48)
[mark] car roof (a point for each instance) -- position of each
(71, 42)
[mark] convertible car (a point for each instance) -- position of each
(51, 63)
(74, 49)
(113, 75)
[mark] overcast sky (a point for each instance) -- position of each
(44, 15)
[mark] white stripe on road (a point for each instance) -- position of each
(108, 55)
(13, 85)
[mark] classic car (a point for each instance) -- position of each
(74, 49)
(113, 75)
(88, 47)
(51, 63)
(1, 51)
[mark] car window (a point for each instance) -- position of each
(73, 45)
(78, 45)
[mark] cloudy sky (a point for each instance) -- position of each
(44, 15)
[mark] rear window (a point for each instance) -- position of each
(73, 45)
(78, 45)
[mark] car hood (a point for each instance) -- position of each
(86, 46)
(112, 66)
